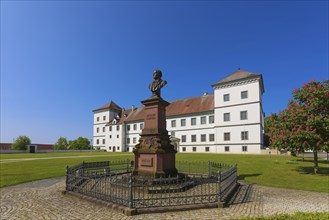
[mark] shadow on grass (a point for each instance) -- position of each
(243, 176)
(311, 160)
(310, 170)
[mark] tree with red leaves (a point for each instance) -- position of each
(304, 124)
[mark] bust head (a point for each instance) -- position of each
(157, 74)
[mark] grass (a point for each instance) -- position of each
(276, 171)
(296, 216)
(51, 165)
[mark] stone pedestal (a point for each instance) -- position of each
(154, 155)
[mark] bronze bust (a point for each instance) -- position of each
(157, 84)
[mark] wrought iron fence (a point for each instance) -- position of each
(196, 183)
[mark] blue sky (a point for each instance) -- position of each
(62, 59)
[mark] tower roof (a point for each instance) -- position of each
(237, 75)
(240, 75)
(110, 105)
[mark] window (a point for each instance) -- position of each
(135, 127)
(227, 136)
(211, 137)
(207, 149)
(203, 138)
(97, 141)
(134, 140)
(110, 128)
(203, 120)
(244, 135)
(227, 148)
(211, 119)
(193, 138)
(183, 138)
(226, 116)
(97, 130)
(243, 115)
(110, 148)
(118, 127)
(193, 121)
(141, 126)
(244, 148)
(104, 118)
(244, 94)
(128, 140)
(173, 123)
(103, 129)
(97, 118)
(183, 122)
(184, 149)
(103, 141)
(118, 148)
(117, 136)
(194, 149)
(110, 136)
(128, 127)
(226, 97)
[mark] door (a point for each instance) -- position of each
(32, 149)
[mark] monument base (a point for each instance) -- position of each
(156, 165)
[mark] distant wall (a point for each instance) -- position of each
(274, 152)
(44, 151)
(3, 151)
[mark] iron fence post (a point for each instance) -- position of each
(236, 174)
(67, 176)
(130, 193)
(220, 186)
(209, 169)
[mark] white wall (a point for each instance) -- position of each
(235, 94)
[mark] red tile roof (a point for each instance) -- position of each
(187, 106)
(191, 105)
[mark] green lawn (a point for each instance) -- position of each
(277, 171)
(51, 165)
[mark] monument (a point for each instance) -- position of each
(154, 154)
(153, 184)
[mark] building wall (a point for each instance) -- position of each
(249, 106)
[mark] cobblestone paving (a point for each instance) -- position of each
(44, 200)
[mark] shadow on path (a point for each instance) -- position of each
(243, 194)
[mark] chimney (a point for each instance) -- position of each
(205, 93)
(132, 107)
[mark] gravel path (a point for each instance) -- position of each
(44, 200)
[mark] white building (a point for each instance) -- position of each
(229, 121)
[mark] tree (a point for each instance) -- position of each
(304, 125)
(21, 143)
(79, 144)
(61, 144)
(266, 135)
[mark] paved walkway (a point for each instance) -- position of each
(44, 200)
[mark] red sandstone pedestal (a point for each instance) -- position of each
(154, 155)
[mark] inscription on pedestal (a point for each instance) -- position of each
(147, 162)
(150, 117)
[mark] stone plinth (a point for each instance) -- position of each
(154, 155)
